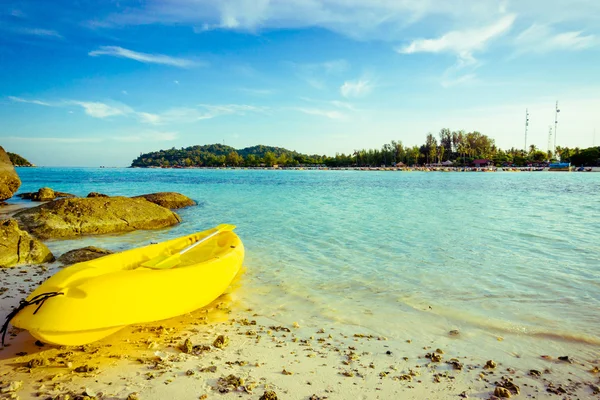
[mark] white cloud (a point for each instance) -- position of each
(147, 137)
(22, 100)
(542, 39)
(356, 88)
(462, 43)
(174, 115)
(199, 112)
(116, 51)
(38, 32)
(176, 82)
(149, 118)
(102, 110)
(380, 19)
(331, 114)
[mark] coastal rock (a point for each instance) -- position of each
(83, 254)
(170, 200)
(9, 180)
(67, 218)
(44, 194)
(96, 194)
(18, 247)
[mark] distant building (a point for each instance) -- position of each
(482, 163)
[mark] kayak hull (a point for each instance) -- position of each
(102, 296)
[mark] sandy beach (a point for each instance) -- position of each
(226, 351)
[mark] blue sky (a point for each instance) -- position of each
(96, 83)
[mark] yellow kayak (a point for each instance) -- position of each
(91, 300)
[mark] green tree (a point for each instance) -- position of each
(269, 159)
(234, 159)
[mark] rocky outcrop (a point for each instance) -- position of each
(9, 180)
(170, 200)
(96, 194)
(66, 218)
(44, 194)
(83, 254)
(18, 247)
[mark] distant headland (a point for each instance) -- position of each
(456, 148)
(18, 161)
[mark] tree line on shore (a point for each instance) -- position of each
(459, 147)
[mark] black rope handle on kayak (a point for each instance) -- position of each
(39, 299)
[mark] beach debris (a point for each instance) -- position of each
(455, 364)
(534, 372)
(229, 383)
(11, 387)
(296, 325)
(212, 368)
(133, 396)
(565, 359)
(434, 357)
(463, 395)
(405, 377)
(221, 342)
(551, 388)
(268, 395)
(280, 329)
(286, 372)
(439, 351)
(37, 362)
(389, 353)
(187, 347)
(490, 364)
(246, 322)
(315, 397)
(595, 388)
(85, 368)
(595, 370)
(502, 392)
(508, 384)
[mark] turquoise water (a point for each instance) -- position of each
(390, 251)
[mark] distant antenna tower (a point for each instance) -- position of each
(526, 127)
(556, 111)
(549, 138)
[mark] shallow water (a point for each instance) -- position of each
(395, 252)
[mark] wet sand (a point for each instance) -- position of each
(226, 351)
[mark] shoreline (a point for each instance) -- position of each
(396, 169)
(298, 359)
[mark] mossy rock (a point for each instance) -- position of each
(18, 247)
(44, 194)
(170, 200)
(68, 218)
(83, 254)
(9, 179)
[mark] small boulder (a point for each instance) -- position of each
(83, 254)
(66, 218)
(170, 200)
(44, 194)
(96, 194)
(9, 180)
(18, 247)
